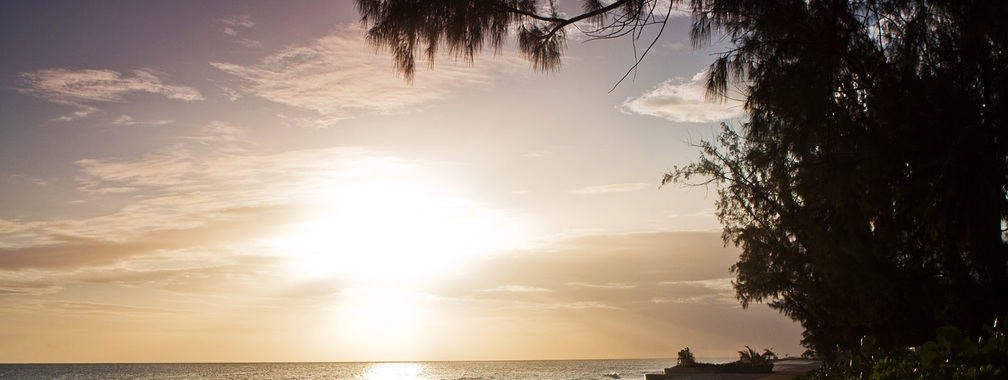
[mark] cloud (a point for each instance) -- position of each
(712, 291)
(137, 232)
(518, 289)
(582, 305)
(93, 308)
(632, 259)
(683, 101)
(550, 306)
(201, 270)
(25, 286)
(249, 43)
(244, 21)
(84, 112)
(602, 286)
(230, 26)
(128, 120)
(611, 188)
(217, 158)
(81, 88)
(637, 271)
(339, 76)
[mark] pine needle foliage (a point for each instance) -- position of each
(420, 29)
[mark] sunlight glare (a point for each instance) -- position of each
(391, 231)
(381, 321)
(395, 371)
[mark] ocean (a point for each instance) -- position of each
(630, 369)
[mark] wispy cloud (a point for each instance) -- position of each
(611, 188)
(94, 308)
(249, 43)
(641, 271)
(602, 286)
(232, 24)
(683, 100)
(129, 120)
(518, 289)
(584, 305)
(244, 21)
(200, 270)
(556, 305)
(83, 88)
(712, 291)
(338, 76)
(715, 284)
(17, 284)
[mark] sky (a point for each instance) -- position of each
(218, 181)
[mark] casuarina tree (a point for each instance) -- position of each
(866, 187)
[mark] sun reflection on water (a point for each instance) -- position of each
(395, 371)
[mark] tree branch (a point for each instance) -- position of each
(563, 22)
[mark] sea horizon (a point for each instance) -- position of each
(582, 369)
(712, 359)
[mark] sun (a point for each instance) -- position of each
(391, 231)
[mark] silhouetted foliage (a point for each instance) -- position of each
(685, 358)
(751, 356)
(749, 361)
(867, 189)
(950, 355)
(412, 28)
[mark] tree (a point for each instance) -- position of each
(867, 189)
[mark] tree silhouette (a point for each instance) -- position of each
(867, 189)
